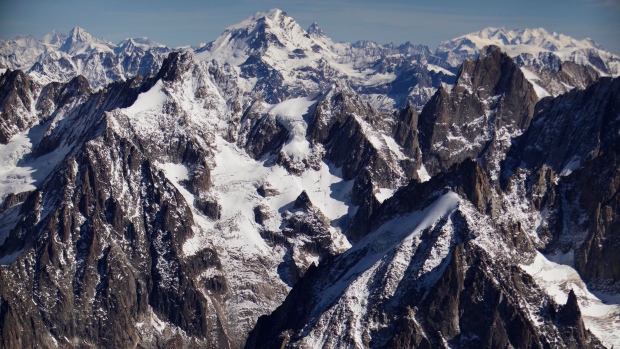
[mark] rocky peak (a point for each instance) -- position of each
(314, 30)
(491, 100)
(405, 131)
(175, 64)
(569, 313)
(54, 38)
(18, 93)
(410, 49)
(493, 73)
(591, 117)
(302, 202)
(140, 44)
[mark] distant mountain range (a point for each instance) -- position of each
(268, 44)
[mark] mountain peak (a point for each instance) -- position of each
(79, 41)
(54, 38)
(531, 42)
(250, 22)
(256, 34)
(274, 13)
(81, 35)
(534, 37)
(314, 30)
(77, 37)
(142, 42)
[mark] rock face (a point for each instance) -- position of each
(16, 100)
(134, 222)
(569, 75)
(597, 104)
(490, 103)
(106, 255)
(347, 127)
(583, 202)
(419, 285)
(225, 200)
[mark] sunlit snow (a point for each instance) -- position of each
(290, 113)
(236, 178)
(19, 171)
(153, 99)
(601, 313)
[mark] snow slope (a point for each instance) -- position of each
(601, 312)
(345, 306)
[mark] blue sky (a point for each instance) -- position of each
(190, 22)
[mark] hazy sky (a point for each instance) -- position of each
(190, 22)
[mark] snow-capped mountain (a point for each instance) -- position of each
(252, 193)
(79, 42)
(60, 58)
(276, 57)
(21, 53)
(532, 46)
(545, 57)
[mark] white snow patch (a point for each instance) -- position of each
(20, 172)
(157, 324)
(532, 78)
(384, 194)
(423, 174)
(152, 99)
(236, 178)
(290, 113)
(601, 314)
(373, 137)
(439, 69)
(562, 258)
(572, 165)
(394, 147)
(378, 79)
(176, 173)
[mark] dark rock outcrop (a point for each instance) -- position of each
(570, 128)
(17, 97)
(573, 141)
(490, 101)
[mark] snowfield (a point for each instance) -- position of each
(236, 178)
(601, 312)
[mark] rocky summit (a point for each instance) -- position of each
(277, 189)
